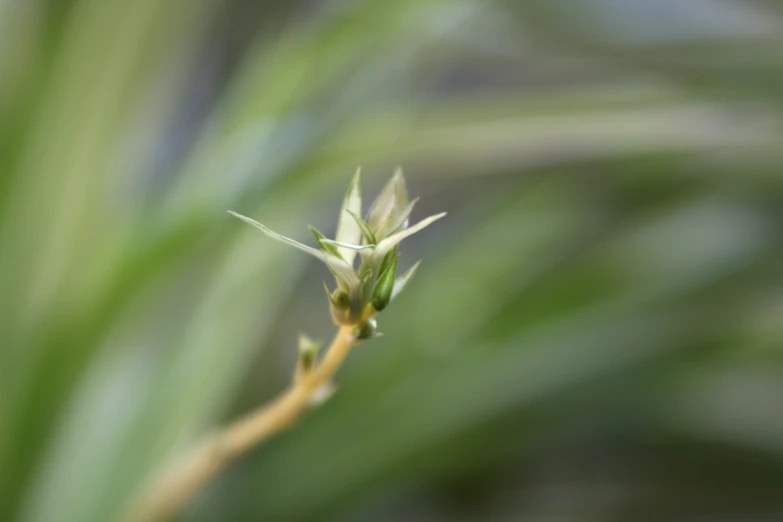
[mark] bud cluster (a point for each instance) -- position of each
(364, 290)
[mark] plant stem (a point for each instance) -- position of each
(214, 454)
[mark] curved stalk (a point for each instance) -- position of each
(213, 455)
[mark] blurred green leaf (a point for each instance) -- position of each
(594, 334)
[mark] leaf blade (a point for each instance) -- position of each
(337, 265)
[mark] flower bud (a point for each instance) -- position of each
(383, 288)
(308, 350)
(341, 300)
(369, 288)
(341, 306)
(365, 329)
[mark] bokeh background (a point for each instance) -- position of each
(596, 330)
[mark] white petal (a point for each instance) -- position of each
(338, 265)
(398, 220)
(388, 243)
(394, 195)
(347, 228)
(401, 282)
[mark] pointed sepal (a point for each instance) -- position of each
(393, 240)
(402, 281)
(326, 245)
(393, 196)
(398, 221)
(348, 230)
(369, 237)
(339, 299)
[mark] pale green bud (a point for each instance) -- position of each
(308, 351)
(341, 306)
(376, 238)
(385, 285)
(366, 329)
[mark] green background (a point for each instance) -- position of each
(595, 330)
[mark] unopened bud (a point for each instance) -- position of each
(308, 350)
(341, 307)
(365, 329)
(383, 288)
(341, 300)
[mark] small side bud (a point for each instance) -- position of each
(383, 288)
(342, 308)
(365, 330)
(339, 298)
(308, 351)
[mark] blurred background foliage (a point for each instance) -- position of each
(595, 332)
